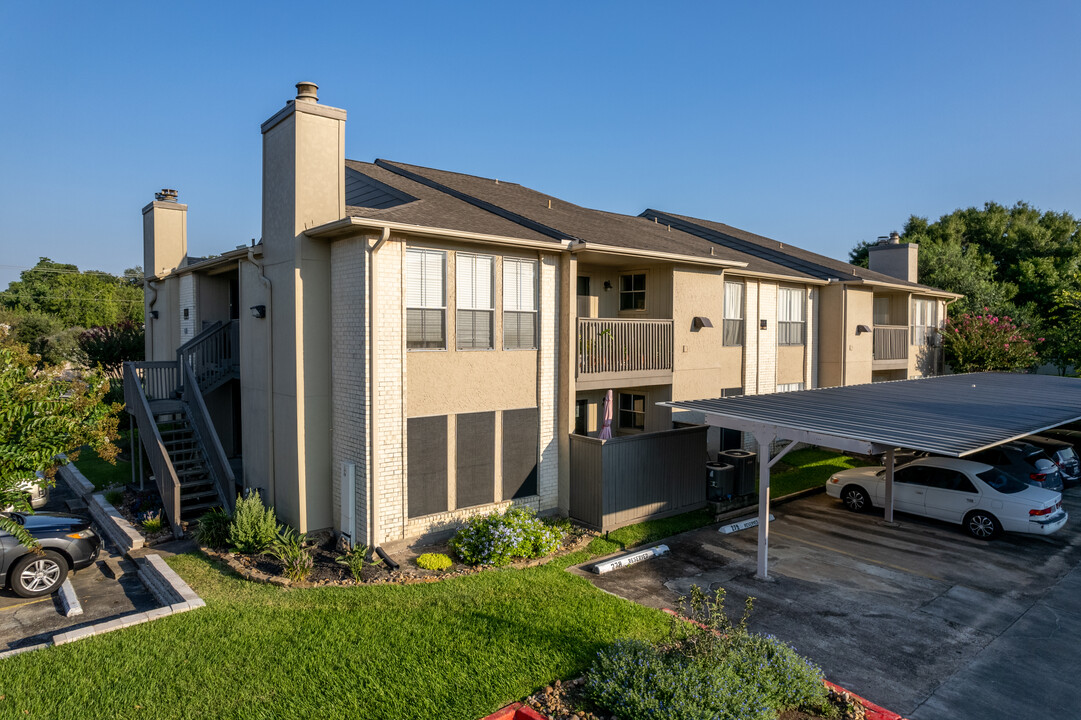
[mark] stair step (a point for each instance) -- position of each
(200, 506)
(191, 472)
(202, 494)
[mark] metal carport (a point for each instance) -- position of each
(953, 415)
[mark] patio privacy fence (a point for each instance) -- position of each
(629, 479)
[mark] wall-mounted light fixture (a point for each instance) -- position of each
(258, 311)
(862, 329)
(762, 324)
(701, 322)
(607, 285)
(185, 313)
(154, 314)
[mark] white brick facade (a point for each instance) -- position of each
(187, 305)
(548, 383)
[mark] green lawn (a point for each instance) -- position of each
(808, 468)
(101, 473)
(456, 649)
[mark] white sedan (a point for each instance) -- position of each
(984, 499)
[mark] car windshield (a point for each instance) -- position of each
(998, 480)
(1067, 454)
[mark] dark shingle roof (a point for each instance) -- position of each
(783, 254)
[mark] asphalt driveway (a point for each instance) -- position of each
(919, 618)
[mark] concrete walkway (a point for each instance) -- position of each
(1031, 666)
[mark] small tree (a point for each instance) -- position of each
(45, 412)
(986, 342)
(113, 345)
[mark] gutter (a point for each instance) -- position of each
(271, 489)
(580, 246)
(349, 226)
(152, 286)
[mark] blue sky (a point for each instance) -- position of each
(819, 124)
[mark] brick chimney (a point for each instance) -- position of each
(892, 257)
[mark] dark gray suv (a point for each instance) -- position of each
(1025, 462)
(67, 542)
(1062, 452)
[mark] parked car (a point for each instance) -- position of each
(1062, 453)
(67, 543)
(1025, 462)
(37, 492)
(982, 498)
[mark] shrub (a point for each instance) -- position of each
(213, 528)
(710, 668)
(434, 561)
(289, 547)
(151, 521)
(254, 527)
(355, 558)
(497, 539)
(978, 343)
(110, 347)
(114, 497)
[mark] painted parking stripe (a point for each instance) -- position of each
(28, 602)
(857, 556)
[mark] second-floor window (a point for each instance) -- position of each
(425, 299)
(924, 321)
(732, 333)
(520, 303)
(476, 305)
(632, 291)
(791, 316)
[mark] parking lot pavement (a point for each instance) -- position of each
(916, 618)
(29, 622)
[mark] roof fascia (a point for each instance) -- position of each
(210, 263)
(353, 226)
(580, 246)
(776, 276)
(898, 286)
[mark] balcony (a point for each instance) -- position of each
(623, 352)
(890, 347)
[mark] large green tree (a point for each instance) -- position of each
(76, 298)
(45, 412)
(1006, 261)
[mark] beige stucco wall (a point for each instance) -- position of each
(790, 364)
(165, 237)
(859, 349)
(163, 333)
(702, 365)
(212, 298)
(255, 357)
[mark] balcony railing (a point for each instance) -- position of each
(610, 345)
(891, 342)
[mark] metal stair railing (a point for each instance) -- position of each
(141, 379)
(212, 354)
(207, 437)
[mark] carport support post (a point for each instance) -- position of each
(889, 485)
(765, 440)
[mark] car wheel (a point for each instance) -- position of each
(982, 525)
(35, 575)
(855, 499)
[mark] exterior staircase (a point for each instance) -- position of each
(165, 399)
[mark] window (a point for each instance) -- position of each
(476, 304)
(924, 321)
(790, 387)
(632, 412)
(632, 292)
(519, 304)
(732, 334)
(881, 311)
(425, 299)
(791, 306)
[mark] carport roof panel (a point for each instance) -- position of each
(951, 415)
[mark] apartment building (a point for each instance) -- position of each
(406, 347)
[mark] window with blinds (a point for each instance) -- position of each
(791, 318)
(732, 332)
(519, 304)
(790, 387)
(476, 301)
(425, 299)
(924, 329)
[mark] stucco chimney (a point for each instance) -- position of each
(165, 234)
(892, 257)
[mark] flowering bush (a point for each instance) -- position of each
(711, 669)
(497, 539)
(977, 343)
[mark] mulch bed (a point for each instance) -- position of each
(135, 504)
(327, 572)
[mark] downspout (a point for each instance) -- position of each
(373, 424)
(758, 342)
(844, 332)
(152, 286)
(271, 487)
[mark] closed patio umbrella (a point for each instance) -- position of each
(606, 426)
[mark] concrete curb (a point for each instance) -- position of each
(76, 481)
(114, 526)
(69, 600)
